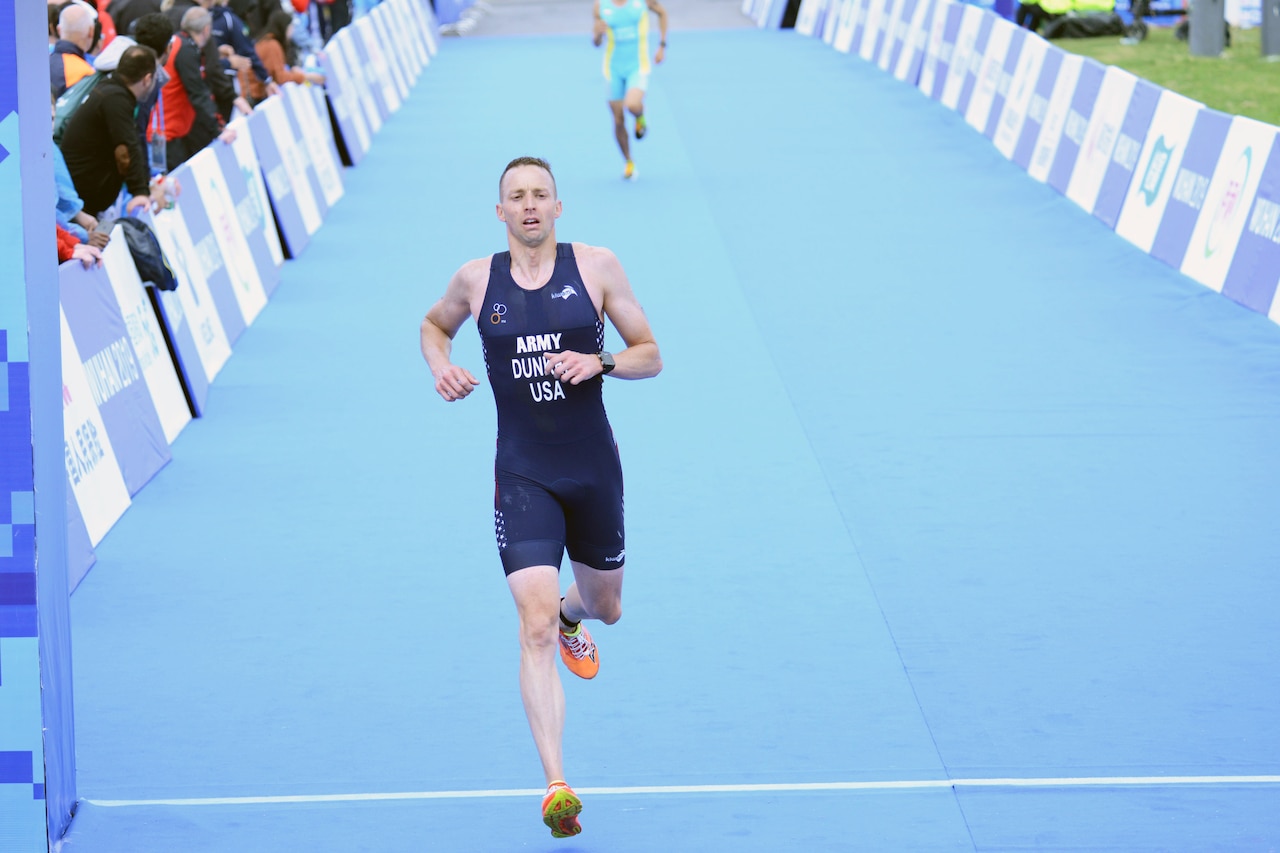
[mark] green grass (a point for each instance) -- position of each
(1240, 82)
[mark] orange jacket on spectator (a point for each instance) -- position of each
(67, 243)
(271, 53)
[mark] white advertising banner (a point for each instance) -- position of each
(1055, 117)
(247, 157)
(92, 469)
(246, 284)
(1230, 197)
(989, 74)
(961, 56)
(1161, 156)
(1023, 87)
(1100, 136)
(295, 159)
(313, 137)
(192, 302)
(147, 337)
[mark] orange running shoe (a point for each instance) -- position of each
(560, 810)
(629, 173)
(578, 651)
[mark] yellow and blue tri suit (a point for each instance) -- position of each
(626, 48)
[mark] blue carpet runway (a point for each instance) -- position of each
(952, 518)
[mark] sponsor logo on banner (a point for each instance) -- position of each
(1227, 202)
(1192, 179)
(1161, 157)
(92, 469)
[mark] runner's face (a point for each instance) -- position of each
(529, 205)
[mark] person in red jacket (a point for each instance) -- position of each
(70, 248)
(271, 48)
(190, 117)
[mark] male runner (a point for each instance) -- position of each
(539, 308)
(625, 24)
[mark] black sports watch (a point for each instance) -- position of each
(606, 361)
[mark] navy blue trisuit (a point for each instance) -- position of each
(557, 475)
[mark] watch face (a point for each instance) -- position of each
(606, 359)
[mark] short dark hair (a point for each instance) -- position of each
(154, 30)
(527, 161)
(136, 62)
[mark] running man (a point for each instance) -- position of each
(540, 310)
(623, 27)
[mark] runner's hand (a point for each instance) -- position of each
(454, 383)
(573, 367)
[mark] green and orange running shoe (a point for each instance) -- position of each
(560, 810)
(578, 651)
(642, 127)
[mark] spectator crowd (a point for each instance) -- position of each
(138, 87)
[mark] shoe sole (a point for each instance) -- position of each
(562, 819)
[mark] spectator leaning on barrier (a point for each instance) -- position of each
(217, 74)
(67, 63)
(68, 206)
(156, 32)
(272, 46)
(232, 37)
(190, 121)
(101, 141)
(69, 248)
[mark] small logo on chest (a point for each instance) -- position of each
(565, 292)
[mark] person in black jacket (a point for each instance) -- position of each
(101, 143)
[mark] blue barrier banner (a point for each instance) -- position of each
(113, 373)
(831, 19)
(942, 45)
(1101, 136)
(977, 58)
(350, 116)
(1190, 187)
(892, 54)
(199, 343)
(960, 68)
(147, 337)
(1038, 106)
(92, 470)
(243, 178)
(862, 13)
(384, 81)
(914, 43)
(285, 169)
(325, 117)
(993, 56)
(1161, 157)
(1022, 89)
(310, 133)
(1228, 201)
(289, 136)
(375, 110)
(229, 241)
(204, 261)
(397, 62)
(1055, 117)
(891, 26)
(1076, 124)
(872, 29)
(1127, 152)
(846, 21)
(1254, 277)
(410, 50)
(293, 230)
(811, 17)
(423, 11)
(414, 29)
(1017, 38)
